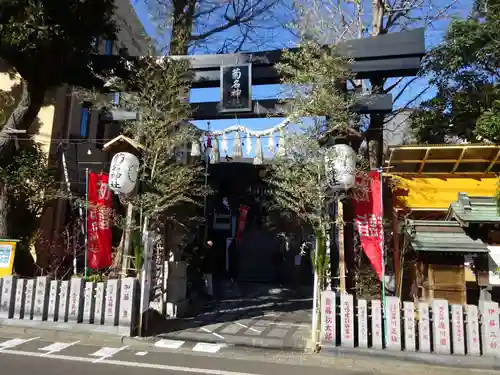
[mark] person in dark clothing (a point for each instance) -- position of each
(233, 261)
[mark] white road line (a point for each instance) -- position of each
(290, 324)
(141, 354)
(169, 344)
(106, 352)
(206, 347)
(193, 370)
(213, 333)
(15, 342)
(247, 327)
(57, 347)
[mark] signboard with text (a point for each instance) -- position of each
(236, 88)
(7, 253)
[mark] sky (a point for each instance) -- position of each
(434, 34)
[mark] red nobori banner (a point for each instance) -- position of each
(99, 222)
(241, 222)
(368, 219)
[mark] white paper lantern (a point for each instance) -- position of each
(123, 173)
(341, 167)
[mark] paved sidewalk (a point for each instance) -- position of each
(266, 317)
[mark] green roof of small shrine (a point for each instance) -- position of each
(468, 210)
(441, 236)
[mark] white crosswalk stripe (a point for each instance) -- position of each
(15, 342)
(207, 347)
(57, 347)
(49, 348)
(169, 344)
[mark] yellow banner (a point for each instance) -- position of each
(7, 254)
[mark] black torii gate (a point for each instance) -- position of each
(384, 56)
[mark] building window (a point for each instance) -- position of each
(108, 47)
(85, 120)
(115, 99)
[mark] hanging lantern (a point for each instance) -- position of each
(123, 173)
(340, 161)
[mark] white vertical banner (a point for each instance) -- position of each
(75, 300)
(328, 310)
(29, 299)
(41, 298)
(62, 314)
(473, 342)
(7, 297)
(111, 305)
(457, 329)
(441, 326)
(393, 321)
(127, 302)
(99, 303)
(53, 300)
(489, 327)
(409, 326)
(88, 302)
(424, 328)
(19, 299)
(376, 310)
(362, 323)
(347, 320)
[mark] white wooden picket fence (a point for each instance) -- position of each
(435, 327)
(70, 304)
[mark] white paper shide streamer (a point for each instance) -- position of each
(224, 145)
(215, 156)
(259, 153)
(237, 151)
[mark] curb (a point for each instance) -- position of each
(452, 361)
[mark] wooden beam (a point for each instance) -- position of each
(493, 162)
(278, 108)
(422, 164)
(382, 47)
(269, 75)
(462, 154)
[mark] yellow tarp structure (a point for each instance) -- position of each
(438, 193)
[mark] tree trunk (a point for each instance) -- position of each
(4, 209)
(183, 18)
(21, 118)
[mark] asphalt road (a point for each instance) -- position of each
(28, 355)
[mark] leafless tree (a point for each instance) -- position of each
(220, 26)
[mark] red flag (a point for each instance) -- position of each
(368, 219)
(241, 222)
(99, 222)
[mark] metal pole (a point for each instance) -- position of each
(314, 323)
(382, 247)
(205, 198)
(86, 221)
(340, 239)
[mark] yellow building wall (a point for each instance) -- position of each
(45, 116)
(439, 193)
